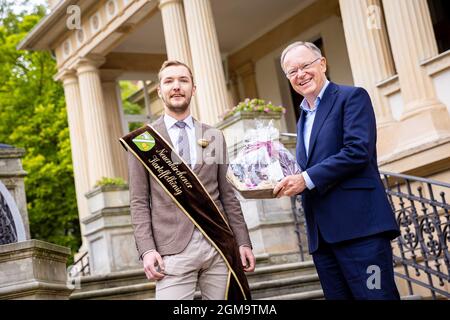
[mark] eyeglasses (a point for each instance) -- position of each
(294, 71)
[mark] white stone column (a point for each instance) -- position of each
(413, 40)
(371, 61)
(369, 51)
(176, 37)
(99, 149)
(212, 94)
(115, 130)
(175, 32)
(78, 144)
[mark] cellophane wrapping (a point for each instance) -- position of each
(261, 163)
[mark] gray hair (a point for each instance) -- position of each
(311, 46)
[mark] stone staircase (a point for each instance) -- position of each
(286, 281)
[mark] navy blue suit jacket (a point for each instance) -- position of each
(349, 200)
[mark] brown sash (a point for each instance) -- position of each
(189, 194)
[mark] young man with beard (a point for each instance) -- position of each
(174, 251)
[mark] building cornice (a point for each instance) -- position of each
(51, 26)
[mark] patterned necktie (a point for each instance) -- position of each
(183, 142)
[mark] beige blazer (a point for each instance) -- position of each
(158, 223)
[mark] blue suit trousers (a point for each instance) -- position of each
(358, 269)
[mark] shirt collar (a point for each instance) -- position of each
(304, 105)
(170, 121)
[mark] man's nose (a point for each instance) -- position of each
(301, 74)
(176, 84)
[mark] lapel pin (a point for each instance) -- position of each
(203, 143)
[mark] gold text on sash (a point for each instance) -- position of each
(170, 176)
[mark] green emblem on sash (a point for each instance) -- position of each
(144, 142)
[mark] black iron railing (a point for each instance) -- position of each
(80, 267)
(421, 252)
(300, 225)
(422, 249)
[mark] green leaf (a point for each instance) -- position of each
(33, 116)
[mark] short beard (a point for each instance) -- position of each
(178, 109)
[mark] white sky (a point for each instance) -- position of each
(18, 6)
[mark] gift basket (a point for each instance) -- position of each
(261, 163)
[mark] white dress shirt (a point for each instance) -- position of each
(310, 115)
(174, 132)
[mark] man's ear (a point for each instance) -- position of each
(158, 89)
(194, 89)
(323, 65)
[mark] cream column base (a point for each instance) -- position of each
(423, 126)
(272, 229)
(109, 231)
(387, 138)
(34, 270)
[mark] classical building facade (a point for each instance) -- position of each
(398, 50)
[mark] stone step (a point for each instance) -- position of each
(143, 291)
(112, 280)
(281, 271)
(130, 277)
(307, 295)
(412, 297)
(137, 276)
(273, 288)
(318, 295)
(276, 289)
(297, 288)
(266, 281)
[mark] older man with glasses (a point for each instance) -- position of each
(349, 220)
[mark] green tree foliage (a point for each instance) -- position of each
(33, 117)
(127, 88)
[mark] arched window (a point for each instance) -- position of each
(8, 233)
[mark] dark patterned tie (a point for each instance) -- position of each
(183, 142)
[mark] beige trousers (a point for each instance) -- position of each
(199, 263)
